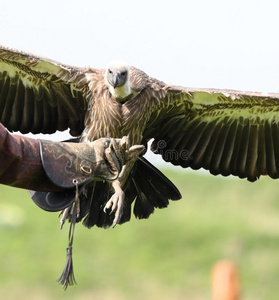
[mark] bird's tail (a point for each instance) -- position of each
(147, 186)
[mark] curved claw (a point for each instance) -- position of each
(64, 214)
(124, 143)
(134, 151)
(116, 203)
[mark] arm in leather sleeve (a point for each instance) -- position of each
(48, 166)
(20, 163)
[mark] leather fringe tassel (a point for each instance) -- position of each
(67, 277)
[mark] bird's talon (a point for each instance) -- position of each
(108, 206)
(115, 204)
(124, 143)
(114, 224)
(64, 214)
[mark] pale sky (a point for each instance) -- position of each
(197, 43)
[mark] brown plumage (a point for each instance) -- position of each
(226, 132)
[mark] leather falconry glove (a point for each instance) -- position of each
(70, 165)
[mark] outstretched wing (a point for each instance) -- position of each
(226, 132)
(39, 95)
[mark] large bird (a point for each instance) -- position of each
(226, 132)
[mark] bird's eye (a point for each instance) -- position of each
(123, 74)
(110, 71)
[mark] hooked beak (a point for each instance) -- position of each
(115, 80)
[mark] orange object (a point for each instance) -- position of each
(225, 281)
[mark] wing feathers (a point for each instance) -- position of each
(5, 85)
(252, 155)
(28, 110)
(211, 146)
(9, 100)
(192, 142)
(202, 146)
(261, 163)
(228, 149)
(218, 151)
(242, 153)
(270, 156)
(38, 114)
(32, 89)
(16, 116)
(275, 138)
(225, 132)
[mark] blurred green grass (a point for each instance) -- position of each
(168, 256)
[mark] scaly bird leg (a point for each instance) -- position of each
(64, 214)
(72, 209)
(124, 153)
(116, 203)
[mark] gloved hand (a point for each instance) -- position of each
(69, 165)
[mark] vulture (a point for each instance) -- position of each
(223, 131)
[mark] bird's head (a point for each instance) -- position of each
(117, 77)
(117, 74)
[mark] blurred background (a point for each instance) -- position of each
(216, 44)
